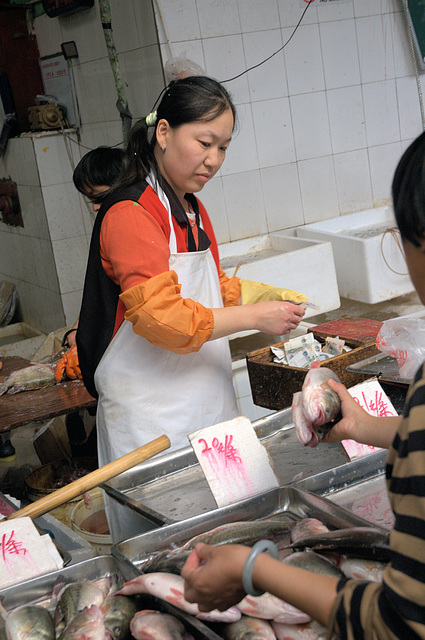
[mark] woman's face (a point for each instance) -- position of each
(193, 152)
(415, 259)
(93, 192)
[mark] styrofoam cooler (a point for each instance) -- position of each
(367, 249)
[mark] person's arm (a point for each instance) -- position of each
(274, 318)
(357, 424)
(213, 579)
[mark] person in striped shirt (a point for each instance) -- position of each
(350, 608)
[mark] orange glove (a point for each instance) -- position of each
(69, 365)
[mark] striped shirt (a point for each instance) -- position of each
(395, 609)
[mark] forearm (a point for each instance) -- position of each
(377, 432)
(230, 320)
(311, 592)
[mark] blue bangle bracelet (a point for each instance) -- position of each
(259, 547)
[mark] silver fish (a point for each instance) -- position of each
(154, 625)
(77, 596)
(315, 407)
(361, 569)
(87, 625)
(244, 532)
(307, 527)
(249, 629)
(358, 542)
(170, 587)
(29, 622)
(269, 607)
(312, 561)
(118, 611)
(311, 631)
(35, 376)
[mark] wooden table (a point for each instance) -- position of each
(21, 408)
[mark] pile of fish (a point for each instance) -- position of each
(107, 609)
(356, 552)
(88, 611)
(315, 407)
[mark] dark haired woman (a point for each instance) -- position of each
(157, 308)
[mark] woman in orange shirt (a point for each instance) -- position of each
(157, 308)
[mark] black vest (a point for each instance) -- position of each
(101, 294)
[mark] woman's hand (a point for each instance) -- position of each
(213, 576)
(277, 318)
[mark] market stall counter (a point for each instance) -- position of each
(19, 409)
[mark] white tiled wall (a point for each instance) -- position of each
(322, 124)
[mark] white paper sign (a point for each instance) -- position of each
(24, 553)
(235, 463)
(371, 396)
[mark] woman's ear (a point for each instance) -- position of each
(162, 129)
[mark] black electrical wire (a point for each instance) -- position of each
(276, 52)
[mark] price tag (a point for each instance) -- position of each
(371, 396)
(235, 463)
(24, 554)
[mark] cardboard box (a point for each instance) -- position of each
(273, 385)
(51, 441)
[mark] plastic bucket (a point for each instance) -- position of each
(46, 479)
(88, 519)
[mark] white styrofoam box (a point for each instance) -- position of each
(288, 262)
(20, 339)
(369, 263)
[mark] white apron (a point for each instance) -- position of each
(146, 391)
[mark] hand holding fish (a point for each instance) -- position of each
(357, 424)
(213, 576)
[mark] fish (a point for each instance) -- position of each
(246, 532)
(29, 622)
(249, 629)
(170, 587)
(87, 625)
(154, 625)
(316, 406)
(269, 607)
(369, 543)
(118, 611)
(310, 631)
(311, 561)
(35, 376)
(362, 569)
(307, 527)
(75, 597)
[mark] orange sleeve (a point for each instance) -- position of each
(230, 289)
(134, 244)
(159, 314)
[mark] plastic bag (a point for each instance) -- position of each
(181, 67)
(404, 340)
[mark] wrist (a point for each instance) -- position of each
(258, 548)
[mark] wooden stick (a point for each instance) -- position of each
(93, 479)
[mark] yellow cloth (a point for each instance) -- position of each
(253, 292)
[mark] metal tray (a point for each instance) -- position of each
(358, 486)
(173, 487)
(134, 552)
(383, 366)
(37, 590)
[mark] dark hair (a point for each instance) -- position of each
(408, 192)
(195, 98)
(99, 167)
